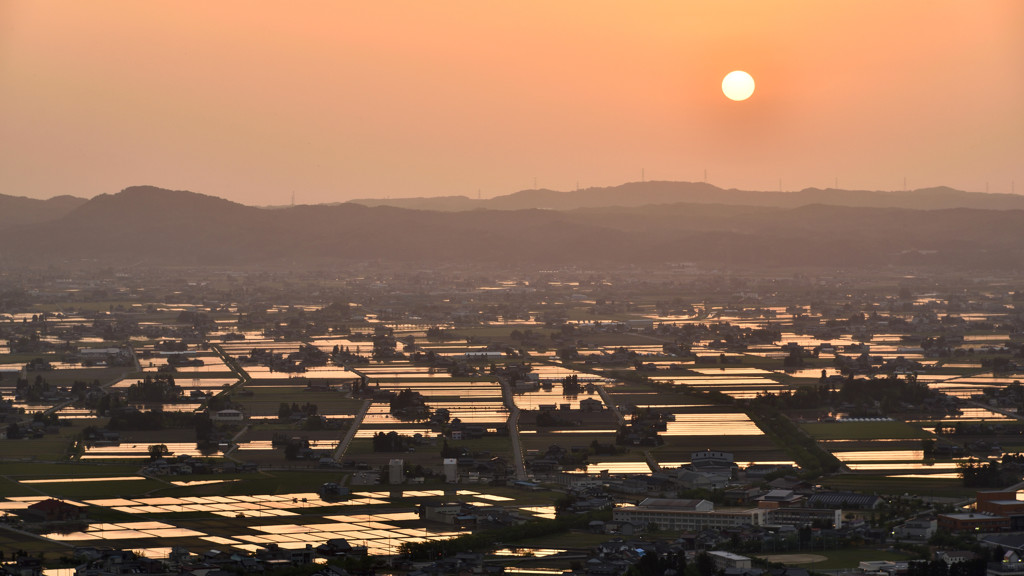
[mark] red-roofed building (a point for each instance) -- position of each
(1000, 502)
(52, 510)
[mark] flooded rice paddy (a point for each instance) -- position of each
(383, 520)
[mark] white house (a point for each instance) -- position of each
(227, 415)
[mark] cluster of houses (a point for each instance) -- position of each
(183, 464)
(707, 470)
(464, 515)
(272, 558)
(307, 356)
(759, 514)
(994, 511)
(114, 356)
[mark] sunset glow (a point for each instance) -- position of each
(738, 85)
(332, 101)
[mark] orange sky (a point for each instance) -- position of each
(253, 101)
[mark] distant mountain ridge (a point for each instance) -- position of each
(18, 210)
(660, 192)
(155, 227)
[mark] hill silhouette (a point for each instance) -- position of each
(658, 192)
(152, 226)
(18, 210)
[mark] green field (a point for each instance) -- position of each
(871, 483)
(88, 375)
(52, 447)
(851, 557)
(862, 430)
(571, 539)
(266, 400)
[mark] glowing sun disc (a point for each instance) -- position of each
(738, 85)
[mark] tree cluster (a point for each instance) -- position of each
(149, 389)
(392, 442)
(409, 405)
(975, 567)
(285, 411)
(991, 474)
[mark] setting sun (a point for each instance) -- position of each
(236, 101)
(738, 85)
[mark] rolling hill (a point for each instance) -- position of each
(655, 192)
(21, 211)
(155, 227)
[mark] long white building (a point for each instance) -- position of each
(680, 514)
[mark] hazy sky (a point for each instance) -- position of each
(255, 101)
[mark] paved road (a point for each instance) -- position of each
(611, 405)
(339, 453)
(652, 463)
(61, 405)
(1009, 413)
(234, 444)
(513, 431)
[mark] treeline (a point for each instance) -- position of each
(392, 442)
(889, 391)
(151, 389)
(866, 396)
(409, 405)
(993, 473)
(972, 567)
